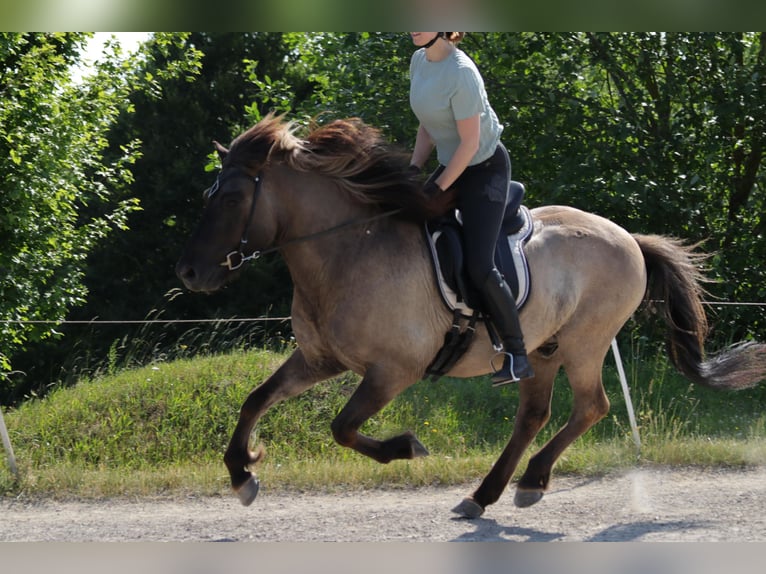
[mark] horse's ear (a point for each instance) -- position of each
(222, 151)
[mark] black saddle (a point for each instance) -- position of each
(445, 237)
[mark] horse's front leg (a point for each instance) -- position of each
(292, 378)
(378, 387)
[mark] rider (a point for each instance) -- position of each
(448, 97)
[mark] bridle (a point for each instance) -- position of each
(237, 258)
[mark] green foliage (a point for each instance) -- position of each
(67, 178)
(663, 133)
(131, 277)
(332, 75)
(52, 159)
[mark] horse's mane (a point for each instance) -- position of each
(355, 154)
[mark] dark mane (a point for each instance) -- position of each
(368, 168)
(254, 148)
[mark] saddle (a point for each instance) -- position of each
(444, 237)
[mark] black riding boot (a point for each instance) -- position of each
(501, 307)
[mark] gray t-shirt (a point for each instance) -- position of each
(449, 90)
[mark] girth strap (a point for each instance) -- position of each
(456, 343)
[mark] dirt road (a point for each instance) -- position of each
(641, 505)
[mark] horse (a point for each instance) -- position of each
(341, 206)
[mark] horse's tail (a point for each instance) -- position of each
(674, 287)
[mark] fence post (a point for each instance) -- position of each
(626, 393)
(7, 445)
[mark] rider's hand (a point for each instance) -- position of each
(431, 189)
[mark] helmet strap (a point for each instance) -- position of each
(433, 41)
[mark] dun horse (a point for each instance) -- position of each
(365, 297)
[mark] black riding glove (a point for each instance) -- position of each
(431, 189)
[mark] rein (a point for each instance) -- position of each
(237, 258)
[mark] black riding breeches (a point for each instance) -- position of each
(483, 199)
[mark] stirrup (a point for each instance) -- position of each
(506, 374)
(499, 377)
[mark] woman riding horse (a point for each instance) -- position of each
(448, 97)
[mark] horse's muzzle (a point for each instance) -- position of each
(196, 281)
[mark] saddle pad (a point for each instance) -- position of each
(510, 259)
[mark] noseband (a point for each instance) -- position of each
(237, 258)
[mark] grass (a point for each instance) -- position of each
(160, 430)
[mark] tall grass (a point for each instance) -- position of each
(162, 428)
(155, 340)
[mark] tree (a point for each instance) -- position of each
(176, 130)
(333, 75)
(66, 185)
(130, 276)
(689, 112)
(52, 145)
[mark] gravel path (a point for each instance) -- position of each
(641, 505)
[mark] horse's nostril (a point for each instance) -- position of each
(186, 272)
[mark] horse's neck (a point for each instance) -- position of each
(309, 205)
(320, 224)
(334, 240)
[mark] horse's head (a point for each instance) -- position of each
(244, 212)
(230, 231)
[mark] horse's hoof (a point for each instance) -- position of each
(468, 508)
(248, 491)
(526, 498)
(418, 449)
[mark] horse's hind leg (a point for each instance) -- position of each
(590, 405)
(533, 412)
(292, 378)
(378, 387)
